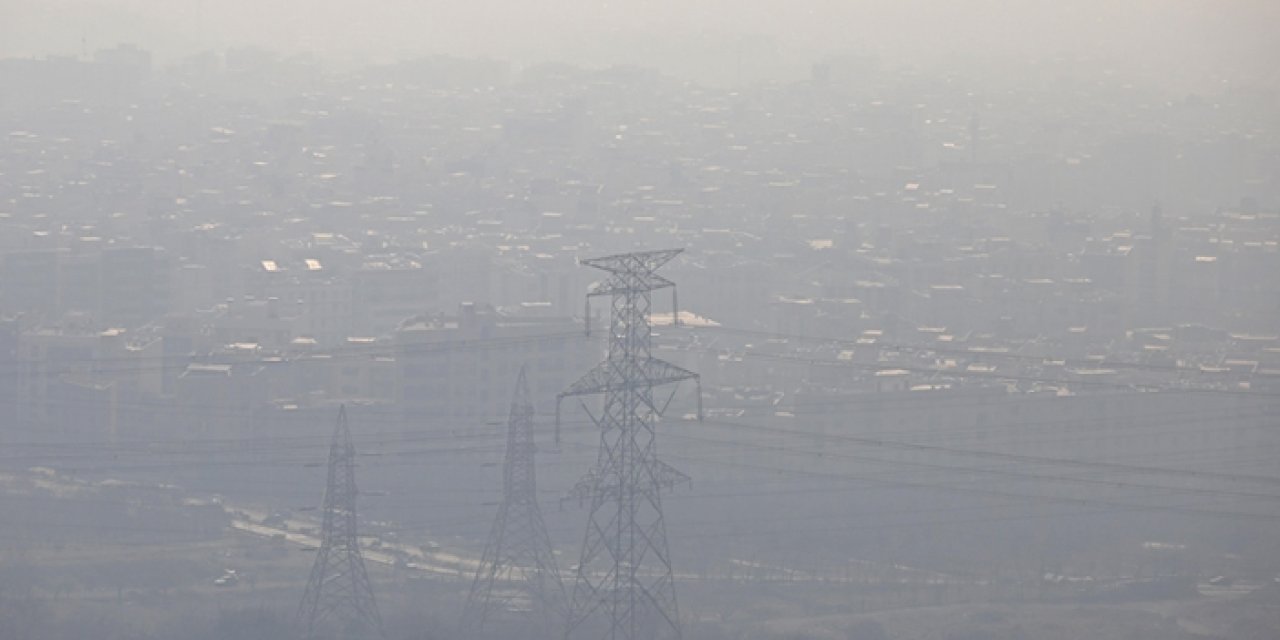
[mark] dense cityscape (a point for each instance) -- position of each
(976, 358)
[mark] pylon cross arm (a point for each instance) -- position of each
(629, 263)
(591, 484)
(636, 283)
(667, 476)
(610, 376)
(586, 487)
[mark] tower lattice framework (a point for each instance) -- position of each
(624, 584)
(338, 598)
(518, 563)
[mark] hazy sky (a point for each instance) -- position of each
(1234, 35)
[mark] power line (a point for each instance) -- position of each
(1043, 460)
(952, 487)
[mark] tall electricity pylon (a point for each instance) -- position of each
(624, 574)
(338, 599)
(518, 570)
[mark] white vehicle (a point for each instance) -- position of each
(229, 578)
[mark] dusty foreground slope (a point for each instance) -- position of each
(1253, 616)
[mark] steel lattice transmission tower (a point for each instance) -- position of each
(338, 598)
(518, 562)
(624, 576)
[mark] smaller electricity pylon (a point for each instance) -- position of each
(338, 599)
(517, 572)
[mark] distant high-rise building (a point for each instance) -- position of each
(449, 364)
